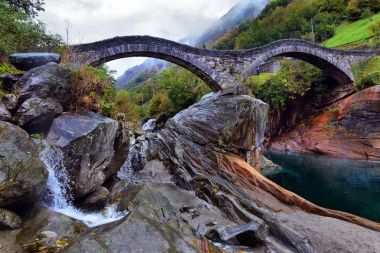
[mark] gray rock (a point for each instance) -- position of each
(28, 61)
(9, 220)
(5, 115)
(87, 144)
(22, 175)
(9, 101)
(96, 200)
(47, 81)
(154, 224)
(232, 123)
(121, 147)
(36, 114)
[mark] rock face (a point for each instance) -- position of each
(28, 61)
(47, 81)
(87, 144)
(36, 114)
(217, 174)
(5, 115)
(9, 220)
(96, 200)
(349, 128)
(232, 123)
(8, 81)
(22, 175)
(121, 148)
(9, 101)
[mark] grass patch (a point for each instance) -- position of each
(258, 79)
(352, 32)
(367, 73)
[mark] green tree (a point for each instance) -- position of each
(158, 105)
(21, 33)
(124, 105)
(30, 7)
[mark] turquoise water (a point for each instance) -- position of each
(341, 184)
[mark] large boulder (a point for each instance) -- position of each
(121, 147)
(87, 144)
(5, 115)
(9, 101)
(36, 114)
(96, 200)
(22, 175)
(28, 61)
(9, 220)
(230, 122)
(47, 81)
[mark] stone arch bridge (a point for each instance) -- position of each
(219, 69)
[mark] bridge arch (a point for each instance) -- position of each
(219, 69)
(97, 53)
(334, 62)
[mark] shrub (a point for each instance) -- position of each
(367, 73)
(293, 80)
(123, 104)
(91, 89)
(158, 105)
(8, 69)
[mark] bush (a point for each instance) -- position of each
(91, 89)
(158, 105)
(293, 80)
(367, 73)
(123, 104)
(8, 69)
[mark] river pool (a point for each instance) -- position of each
(347, 185)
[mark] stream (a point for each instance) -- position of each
(58, 199)
(346, 185)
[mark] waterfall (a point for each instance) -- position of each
(261, 119)
(57, 195)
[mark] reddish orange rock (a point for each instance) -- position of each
(350, 128)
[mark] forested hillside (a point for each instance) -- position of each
(304, 19)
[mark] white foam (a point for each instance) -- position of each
(57, 194)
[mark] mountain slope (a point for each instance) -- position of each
(245, 9)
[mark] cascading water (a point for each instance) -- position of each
(57, 194)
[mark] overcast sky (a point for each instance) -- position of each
(91, 20)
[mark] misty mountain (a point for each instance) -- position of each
(140, 73)
(245, 9)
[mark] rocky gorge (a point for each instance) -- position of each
(82, 182)
(343, 124)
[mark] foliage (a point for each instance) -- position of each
(282, 19)
(367, 73)
(158, 105)
(8, 69)
(258, 79)
(167, 92)
(123, 104)
(294, 79)
(30, 7)
(19, 32)
(91, 89)
(182, 88)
